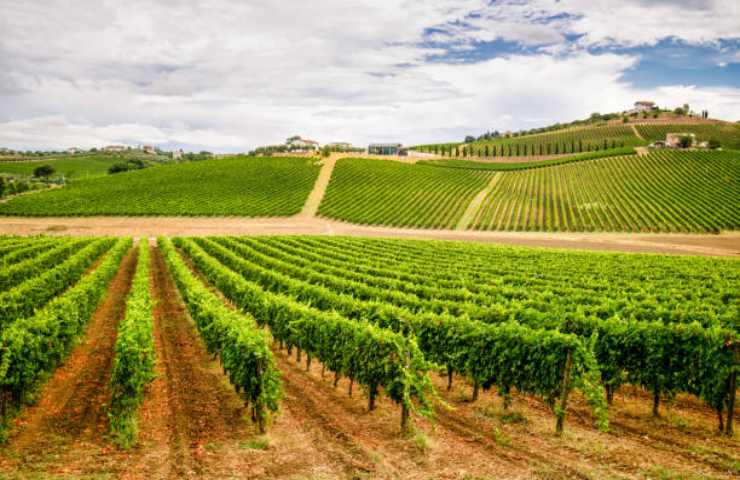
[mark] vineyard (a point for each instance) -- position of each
(661, 192)
(396, 194)
(551, 143)
(728, 135)
(250, 187)
(389, 319)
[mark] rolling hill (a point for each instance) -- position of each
(233, 186)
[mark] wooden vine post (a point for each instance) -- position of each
(732, 387)
(564, 391)
(405, 424)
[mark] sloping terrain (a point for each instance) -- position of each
(243, 186)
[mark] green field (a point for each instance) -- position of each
(727, 134)
(378, 192)
(663, 192)
(238, 186)
(72, 167)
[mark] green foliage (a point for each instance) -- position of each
(35, 291)
(77, 167)
(575, 140)
(649, 320)
(665, 191)
(43, 171)
(30, 348)
(231, 186)
(374, 357)
(473, 165)
(384, 192)
(133, 364)
(243, 347)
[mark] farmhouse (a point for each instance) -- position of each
(177, 154)
(386, 149)
(302, 143)
(339, 146)
(149, 150)
(73, 150)
(673, 140)
(643, 106)
(114, 148)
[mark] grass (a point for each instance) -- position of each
(237, 186)
(73, 167)
(259, 443)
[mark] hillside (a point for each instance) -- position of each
(75, 167)
(232, 186)
(662, 192)
(587, 139)
(377, 192)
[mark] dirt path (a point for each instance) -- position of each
(472, 210)
(66, 431)
(725, 244)
(317, 194)
(637, 132)
(193, 424)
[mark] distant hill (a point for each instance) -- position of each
(589, 138)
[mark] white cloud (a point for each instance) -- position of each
(229, 75)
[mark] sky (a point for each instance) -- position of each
(230, 75)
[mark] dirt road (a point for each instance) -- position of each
(725, 244)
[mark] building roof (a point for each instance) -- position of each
(397, 145)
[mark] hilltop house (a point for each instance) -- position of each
(302, 143)
(644, 106)
(387, 149)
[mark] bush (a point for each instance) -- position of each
(714, 143)
(43, 171)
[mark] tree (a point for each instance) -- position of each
(714, 143)
(44, 171)
(469, 139)
(2, 186)
(685, 141)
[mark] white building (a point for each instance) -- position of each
(302, 143)
(644, 106)
(673, 140)
(149, 150)
(73, 150)
(114, 148)
(177, 154)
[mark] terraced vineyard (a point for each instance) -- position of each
(243, 186)
(727, 134)
(396, 194)
(551, 143)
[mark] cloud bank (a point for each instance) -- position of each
(230, 75)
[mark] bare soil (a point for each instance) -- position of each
(724, 244)
(65, 432)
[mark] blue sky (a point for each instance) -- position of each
(228, 75)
